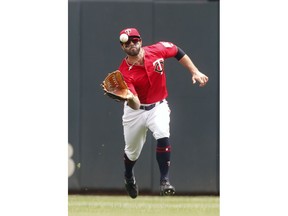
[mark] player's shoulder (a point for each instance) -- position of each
(166, 44)
(161, 45)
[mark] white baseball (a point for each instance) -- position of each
(124, 38)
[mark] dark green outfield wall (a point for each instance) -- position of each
(95, 127)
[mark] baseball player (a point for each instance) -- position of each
(146, 107)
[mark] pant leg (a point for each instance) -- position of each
(135, 130)
(159, 121)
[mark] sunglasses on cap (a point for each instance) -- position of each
(132, 39)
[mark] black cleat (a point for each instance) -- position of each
(131, 187)
(166, 189)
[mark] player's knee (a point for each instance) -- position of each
(132, 156)
(161, 134)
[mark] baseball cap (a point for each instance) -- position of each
(130, 32)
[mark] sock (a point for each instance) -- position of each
(128, 167)
(163, 157)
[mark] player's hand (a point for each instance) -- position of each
(200, 77)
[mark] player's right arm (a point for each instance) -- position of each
(133, 101)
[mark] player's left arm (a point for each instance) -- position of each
(197, 76)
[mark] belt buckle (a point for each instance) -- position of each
(150, 107)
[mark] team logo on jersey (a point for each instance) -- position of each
(159, 65)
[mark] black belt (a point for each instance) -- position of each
(150, 106)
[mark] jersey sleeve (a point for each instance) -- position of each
(168, 49)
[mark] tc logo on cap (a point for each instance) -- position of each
(127, 31)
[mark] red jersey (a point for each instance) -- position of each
(148, 82)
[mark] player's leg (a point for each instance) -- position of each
(159, 121)
(134, 140)
(129, 178)
(163, 150)
(134, 136)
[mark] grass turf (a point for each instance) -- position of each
(88, 205)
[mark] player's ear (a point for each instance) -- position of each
(122, 45)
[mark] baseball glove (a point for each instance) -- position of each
(115, 87)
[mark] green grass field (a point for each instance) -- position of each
(84, 205)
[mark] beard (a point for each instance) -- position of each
(133, 50)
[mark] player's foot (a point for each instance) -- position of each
(131, 187)
(166, 189)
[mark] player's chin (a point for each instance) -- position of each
(133, 52)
